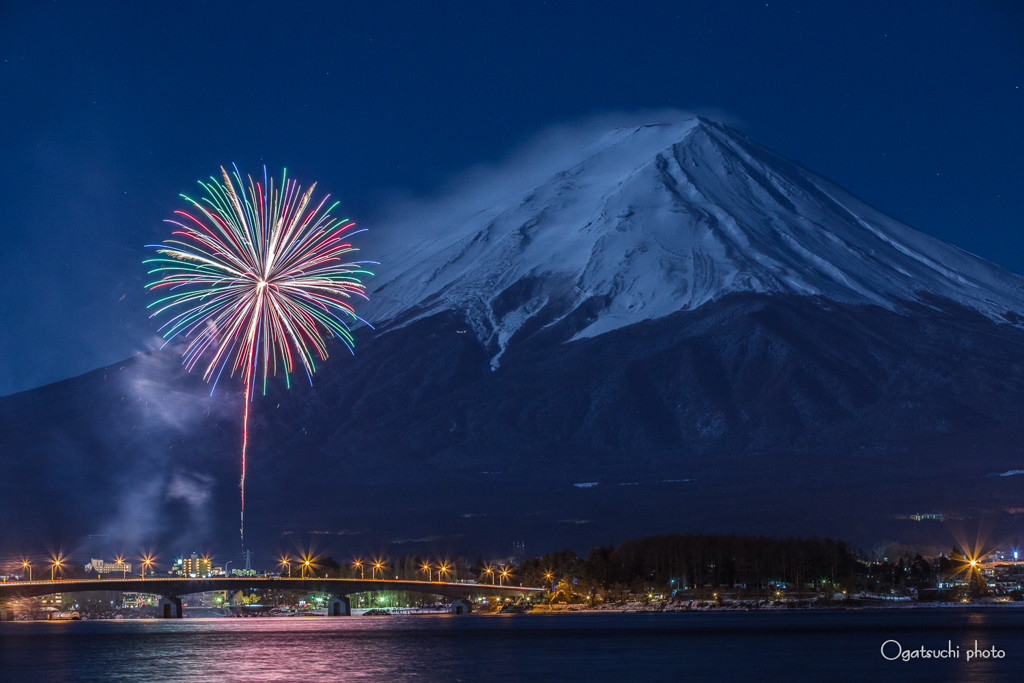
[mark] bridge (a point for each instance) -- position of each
(170, 589)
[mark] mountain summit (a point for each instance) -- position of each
(656, 219)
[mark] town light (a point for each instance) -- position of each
(504, 575)
(55, 565)
(377, 564)
(359, 564)
(428, 569)
(25, 564)
(490, 570)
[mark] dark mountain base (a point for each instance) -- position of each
(753, 414)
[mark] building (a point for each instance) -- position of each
(55, 600)
(1004, 556)
(139, 600)
(193, 566)
(518, 553)
(101, 567)
(926, 517)
(209, 599)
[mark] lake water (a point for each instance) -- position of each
(731, 646)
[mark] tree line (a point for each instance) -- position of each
(666, 563)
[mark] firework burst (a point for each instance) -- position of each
(256, 277)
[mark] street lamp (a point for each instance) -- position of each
(428, 569)
(285, 561)
(359, 564)
(146, 563)
(226, 567)
(504, 575)
(490, 570)
(24, 564)
(443, 569)
(548, 576)
(306, 565)
(377, 565)
(124, 568)
(56, 563)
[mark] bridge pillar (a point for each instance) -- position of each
(167, 602)
(462, 607)
(339, 606)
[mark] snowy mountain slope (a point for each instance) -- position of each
(661, 218)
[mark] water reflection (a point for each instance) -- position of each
(809, 646)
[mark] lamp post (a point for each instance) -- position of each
(428, 569)
(306, 565)
(226, 567)
(490, 570)
(286, 562)
(53, 568)
(359, 564)
(504, 575)
(124, 568)
(145, 564)
(377, 565)
(548, 576)
(25, 564)
(443, 569)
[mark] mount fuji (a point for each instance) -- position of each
(653, 220)
(677, 329)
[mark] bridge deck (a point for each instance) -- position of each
(177, 586)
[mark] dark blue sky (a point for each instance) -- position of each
(109, 110)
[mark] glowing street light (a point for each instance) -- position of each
(286, 561)
(54, 565)
(306, 564)
(428, 569)
(443, 569)
(24, 564)
(124, 568)
(548, 576)
(146, 563)
(490, 570)
(359, 564)
(377, 565)
(504, 575)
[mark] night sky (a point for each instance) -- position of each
(109, 110)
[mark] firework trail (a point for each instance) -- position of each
(255, 276)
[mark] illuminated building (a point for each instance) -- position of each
(53, 599)
(101, 567)
(926, 517)
(194, 566)
(139, 599)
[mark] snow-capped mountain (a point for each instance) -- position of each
(726, 375)
(652, 220)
